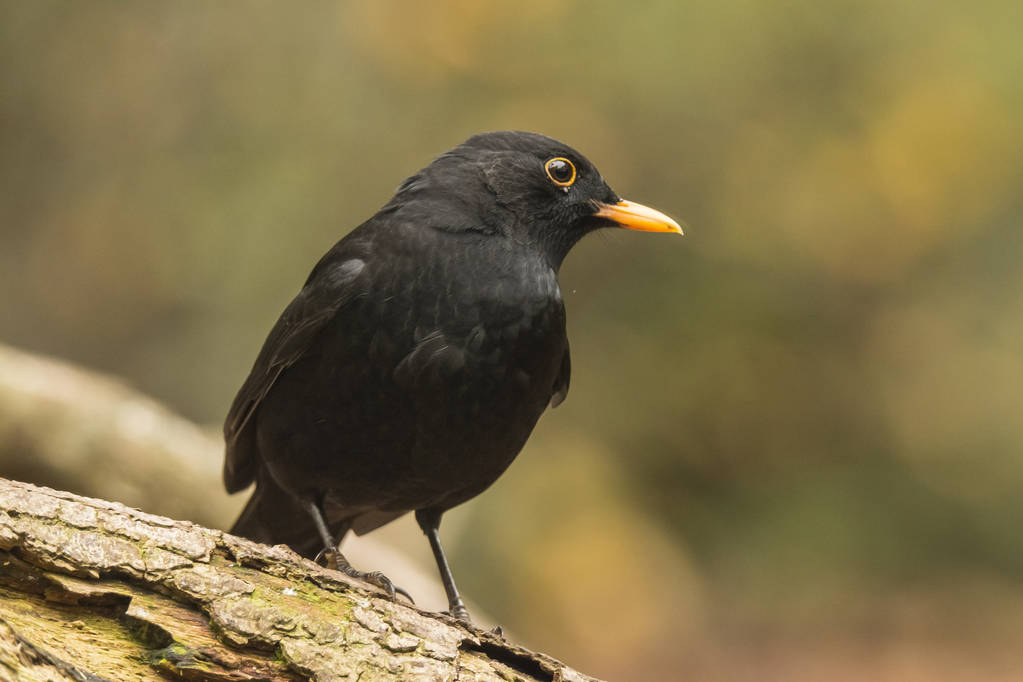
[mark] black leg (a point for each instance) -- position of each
(429, 521)
(337, 561)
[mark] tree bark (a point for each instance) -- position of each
(95, 590)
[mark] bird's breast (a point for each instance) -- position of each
(485, 348)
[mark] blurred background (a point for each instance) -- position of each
(793, 448)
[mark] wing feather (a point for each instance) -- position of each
(329, 288)
(561, 382)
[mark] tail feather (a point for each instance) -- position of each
(273, 517)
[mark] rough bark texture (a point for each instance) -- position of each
(95, 590)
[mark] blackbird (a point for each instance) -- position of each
(410, 369)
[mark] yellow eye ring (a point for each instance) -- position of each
(561, 171)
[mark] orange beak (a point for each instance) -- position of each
(633, 216)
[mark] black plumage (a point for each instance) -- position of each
(410, 369)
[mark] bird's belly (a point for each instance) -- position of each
(467, 443)
(471, 423)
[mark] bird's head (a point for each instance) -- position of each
(527, 187)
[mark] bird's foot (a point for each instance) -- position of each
(336, 561)
(459, 611)
(380, 580)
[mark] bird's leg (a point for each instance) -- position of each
(429, 521)
(337, 561)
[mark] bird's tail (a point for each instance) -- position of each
(273, 517)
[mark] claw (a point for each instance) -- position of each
(380, 580)
(372, 577)
(383, 582)
(329, 559)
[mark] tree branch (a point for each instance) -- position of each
(91, 590)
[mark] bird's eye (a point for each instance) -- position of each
(561, 172)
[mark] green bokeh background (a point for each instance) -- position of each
(793, 448)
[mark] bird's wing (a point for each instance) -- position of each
(331, 285)
(561, 382)
(433, 358)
